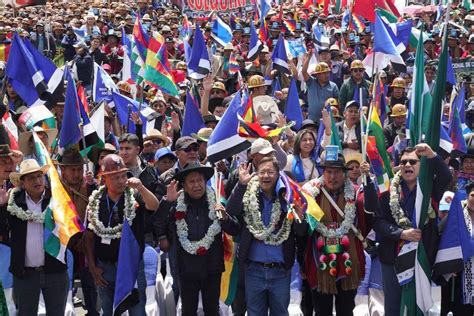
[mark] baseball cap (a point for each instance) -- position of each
(184, 142)
(261, 146)
(164, 152)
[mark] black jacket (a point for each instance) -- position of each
(196, 266)
(340, 128)
(390, 132)
(85, 68)
(385, 226)
(18, 229)
(235, 208)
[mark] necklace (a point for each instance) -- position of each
(97, 226)
(196, 247)
(314, 187)
(253, 218)
(397, 212)
(20, 213)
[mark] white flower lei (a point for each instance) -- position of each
(214, 229)
(93, 214)
(314, 187)
(397, 212)
(20, 213)
(253, 218)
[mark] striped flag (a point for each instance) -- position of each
(221, 32)
(420, 96)
(255, 45)
(139, 49)
(378, 166)
(199, 64)
(320, 40)
(127, 69)
(61, 219)
(455, 130)
(231, 274)
(376, 130)
(279, 56)
(234, 66)
(186, 31)
(4, 51)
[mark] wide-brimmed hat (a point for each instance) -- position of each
(27, 166)
(203, 134)
(207, 172)
(96, 151)
(25, 137)
(112, 164)
(71, 157)
(156, 134)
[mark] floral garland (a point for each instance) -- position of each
(314, 187)
(93, 214)
(397, 212)
(20, 213)
(253, 218)
(197, 247)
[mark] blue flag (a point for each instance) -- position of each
(224, 140)
(34, 77)
(456, 244)
(404, 31)
(192, 121)
(279, 57)
(450, 72)
(459, 103)
(125, 106)
(126, 294)
(256, 45)
(455, 130)
(103, 85)
(384, 38)
(221, 32)
(199, 64)
(70, 133)
(265, 6)
(293, 108)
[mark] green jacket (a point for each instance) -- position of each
(346, 93)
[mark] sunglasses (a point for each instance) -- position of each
(191, 148)
(358, 70)
(156, 141)
(412, 162)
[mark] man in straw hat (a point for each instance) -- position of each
(110, 205)
(153, 141)
(194, 211)
(33, 270)
(27, 145)
(202, 137)
(335, 263)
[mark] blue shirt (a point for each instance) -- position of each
(259, 251)
(317, 96)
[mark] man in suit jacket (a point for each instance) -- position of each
(33, 269)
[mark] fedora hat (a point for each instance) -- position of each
(112, 164)
(207, 172)
(96, 151)
(27, 166)
(26, 136)
(156, 134)
(71, 157)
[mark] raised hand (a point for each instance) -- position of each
(244, 173)
(172, 191)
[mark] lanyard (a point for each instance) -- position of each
(114, 208)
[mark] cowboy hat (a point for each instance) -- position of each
(203, 134)
(156, 134)
(26, 136)
(71, 157)
(207, 172)
(27, 166)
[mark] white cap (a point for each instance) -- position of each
(261, 146)
(2, 65)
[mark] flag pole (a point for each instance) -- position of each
(83, 139)
(129, 111)
(362, 138)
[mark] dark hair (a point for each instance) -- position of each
(298, 138)
(469, 187)
(406, 151)
(129, 138)
(269, 159)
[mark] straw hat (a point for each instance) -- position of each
(203, 134)
(26, 136)
(156, 134)
(27, 166)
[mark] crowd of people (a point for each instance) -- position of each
(159, 181)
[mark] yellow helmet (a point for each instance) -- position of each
(256, 81)
(398, 82)
(357, 64)
(332, 102)
(398, 110)
(321, 67)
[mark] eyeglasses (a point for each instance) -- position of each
(412, 162)
(262, 173)
(191, 148)
(156, 141)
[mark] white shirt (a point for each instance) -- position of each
(349, 136)
(34, 250)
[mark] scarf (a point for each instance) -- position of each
(467, 274)
(297, 168)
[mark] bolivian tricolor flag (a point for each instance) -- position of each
(4, 51)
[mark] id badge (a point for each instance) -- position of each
(106, 241)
